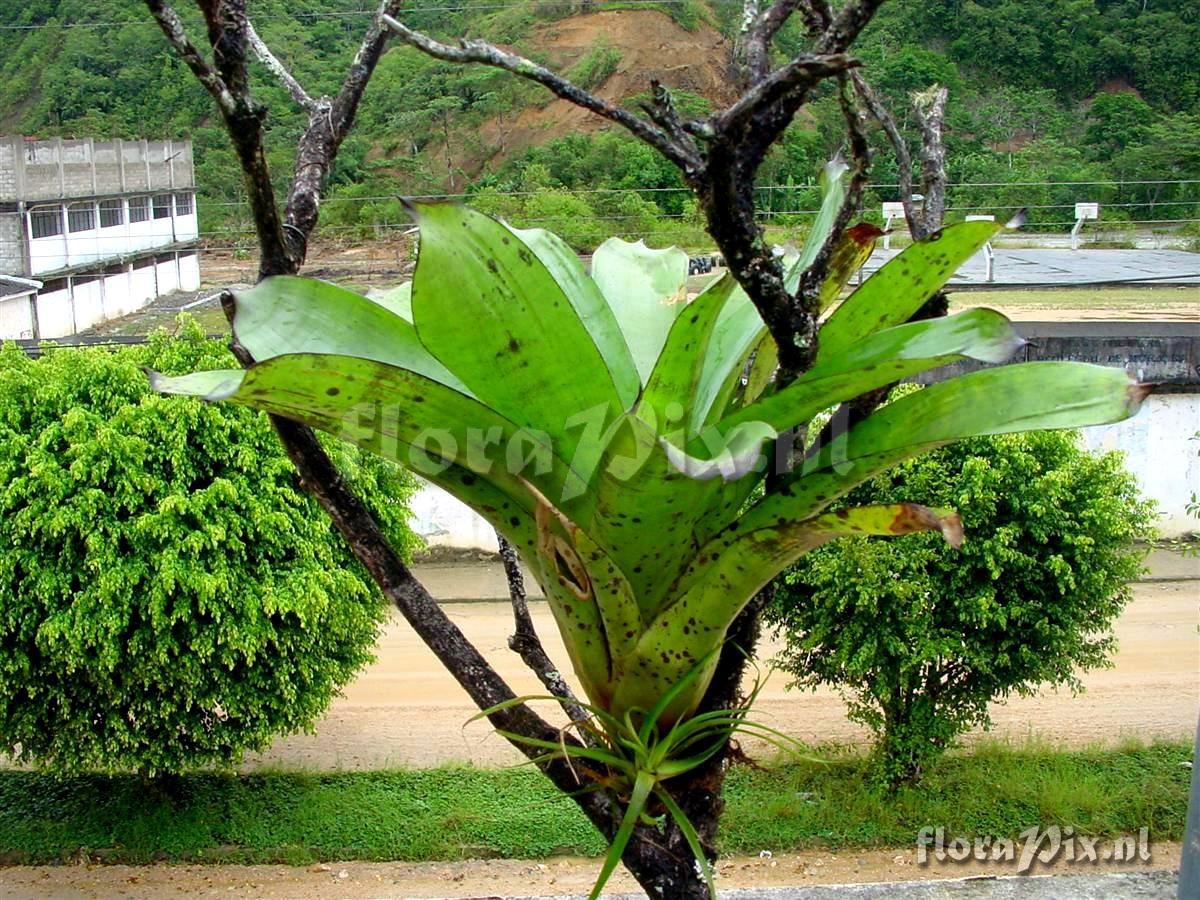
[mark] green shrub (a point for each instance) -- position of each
(594, 68)
(169, 597)
(919, 638)
(566, 214)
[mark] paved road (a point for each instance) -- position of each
(1060, 268)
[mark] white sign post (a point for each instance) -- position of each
(891, 211)
(1083, 212)
(989, 254)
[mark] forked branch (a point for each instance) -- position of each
(227, 81)
(525, 642)
(485, 54)
(172, 26)
(278, 69)
(329, 123)
(720, 156)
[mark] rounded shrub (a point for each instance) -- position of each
(919, 637)
(169, 597)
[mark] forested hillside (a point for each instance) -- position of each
(1049, 98)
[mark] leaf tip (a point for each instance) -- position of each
(952, 529)
(914, 517)
(1139, 391)
(412, 207)
(864, 233)
(155, 379)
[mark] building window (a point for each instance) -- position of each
(45, 222)
(162, 206)
(139, 209)
(183, 205)
(81, 217)
(112, 213)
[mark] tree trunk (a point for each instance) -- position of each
(661, 860)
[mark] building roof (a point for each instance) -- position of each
(15, 287)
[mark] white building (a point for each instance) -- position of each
(104, 227)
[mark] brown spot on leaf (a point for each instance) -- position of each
(1139, 392)
(914, 517)
(863, 233)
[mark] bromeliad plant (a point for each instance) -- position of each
(614, 431)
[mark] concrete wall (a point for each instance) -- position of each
(88, 300)
(16, 316)
(142, 284)
(189, 271)
(56, 318)
(1163, 453)
(8, 169)
(119, 299)
(166, 271)
(88, 297)
(12, 248)
(58, 169)
(445, 521)
(1158, 444)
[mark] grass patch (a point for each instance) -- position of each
(456, 813)
(1132, 298)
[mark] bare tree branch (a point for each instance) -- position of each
(881, 114)
(452, 648)
(930, 109)
(795, 78)
(860, 155)
(329, 122)
(227, 29)
(525, 641)
(845, 28)
(742, 135)
(486, 54)
(766, 27)
(229, 85)
(278, 69)
(746, 53)
(661, 110)
(172, 26)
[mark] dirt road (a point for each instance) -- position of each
(405, 710)
(488, 878)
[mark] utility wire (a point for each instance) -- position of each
(307, 16)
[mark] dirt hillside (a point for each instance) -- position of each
(653, 48)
